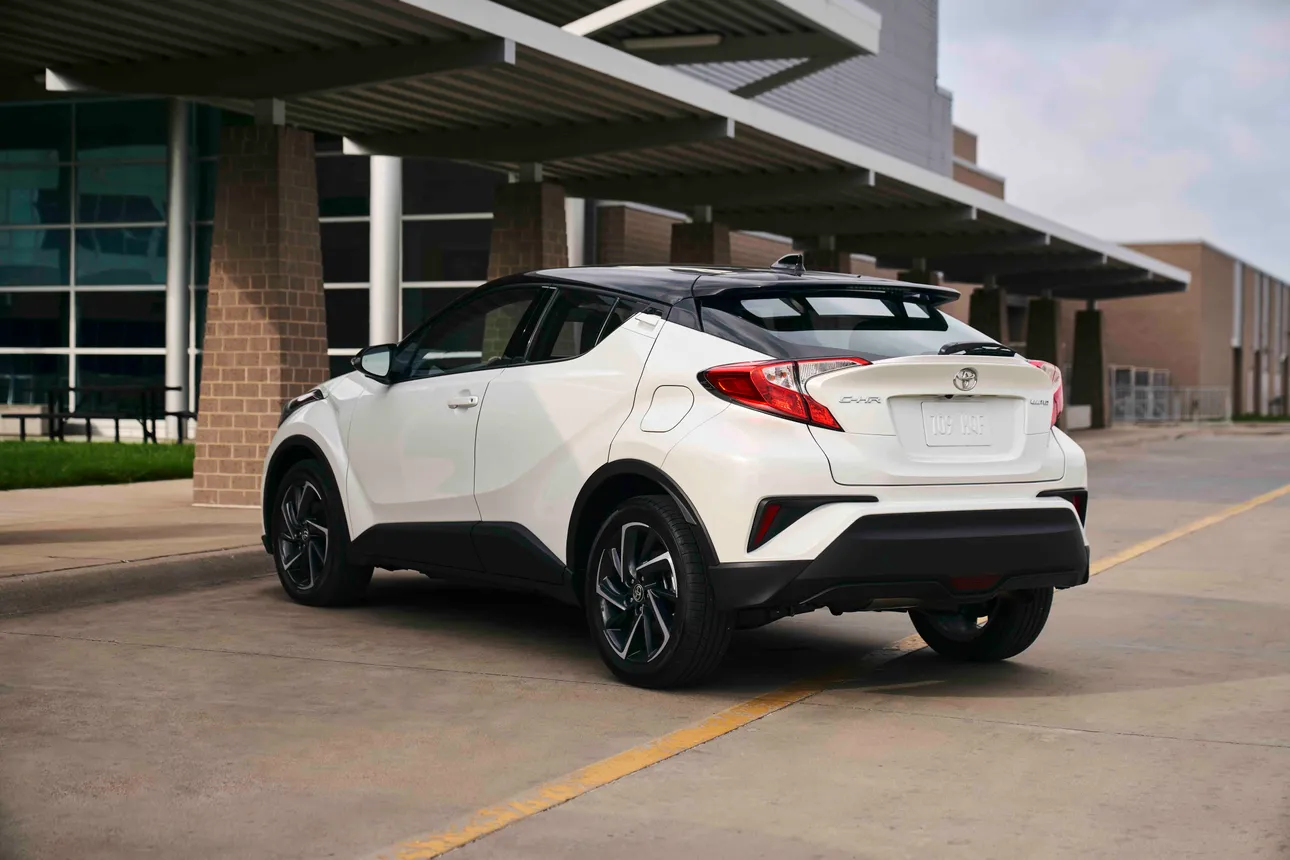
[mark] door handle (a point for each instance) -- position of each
(463, 402)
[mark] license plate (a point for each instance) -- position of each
(956, 425)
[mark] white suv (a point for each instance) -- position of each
(689, 451)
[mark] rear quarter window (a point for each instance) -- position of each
(839, 322)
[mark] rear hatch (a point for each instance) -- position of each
(909, 421)
(909, 415)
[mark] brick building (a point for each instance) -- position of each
(232, 205)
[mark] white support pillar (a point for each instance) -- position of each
(386, 248)
(575, 227)
(177, 268)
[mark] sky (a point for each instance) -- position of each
(1133, 120)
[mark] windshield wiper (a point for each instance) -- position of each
(977, 347)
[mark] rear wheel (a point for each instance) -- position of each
(1000, 629)
(649, 602)
(310, 540)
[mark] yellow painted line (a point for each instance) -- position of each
(1105, 564)
(563, 789)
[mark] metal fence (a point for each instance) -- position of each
(1147, 404)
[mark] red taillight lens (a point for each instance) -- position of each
(1055, 375)
(778, 387)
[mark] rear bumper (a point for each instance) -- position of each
(924, 559)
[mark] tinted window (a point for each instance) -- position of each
(347, 318)
(28, 378)
(446, 250)
(805, 324)
(121, 256)
(345, 249)
(111, 318)
(34, 257)
(33, 319)
(421, 303)
(622, 312)
(572, 326)
(111, 130)
(343, 185)
(493, 329)
(35, 195)
(433, 186)
(120, 192)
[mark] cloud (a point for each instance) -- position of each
(1133, 119)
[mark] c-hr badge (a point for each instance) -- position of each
(965, 379)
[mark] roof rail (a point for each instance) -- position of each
(796, 263)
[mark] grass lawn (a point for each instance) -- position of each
(74, 464)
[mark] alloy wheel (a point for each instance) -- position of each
(302, 543)
(636, 583)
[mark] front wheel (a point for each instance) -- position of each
(310, 539)
(649, 603)
(1002, 628)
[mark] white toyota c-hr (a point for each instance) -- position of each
(690, 451)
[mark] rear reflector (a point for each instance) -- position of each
(768, 514)
(1077, 498)
(777, 387)
(973, 583)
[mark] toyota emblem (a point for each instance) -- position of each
(965, 379)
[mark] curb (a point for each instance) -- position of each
(27, 594)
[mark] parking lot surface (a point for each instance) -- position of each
(1151, 719)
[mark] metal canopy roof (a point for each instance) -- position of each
(801, 37)
(482, 83)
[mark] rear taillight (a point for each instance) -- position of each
(777, 387)
(1055, 376)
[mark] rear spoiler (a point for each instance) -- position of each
(928, 294)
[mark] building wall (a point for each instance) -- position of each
(630, 235)
(977, 178)
(889, 101)
(1158, 331)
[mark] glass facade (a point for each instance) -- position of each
(83, 241)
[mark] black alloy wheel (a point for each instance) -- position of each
(649, 602)
(302, 543)
(997, 630)
(310, 539)
(636, 583)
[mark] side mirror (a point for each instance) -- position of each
(375, 361)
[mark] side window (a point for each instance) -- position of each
(490, 330)
(573, 325)
(622, 312)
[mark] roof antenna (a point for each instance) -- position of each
(795, 263)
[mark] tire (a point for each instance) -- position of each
(1014, 622)
(628, 607)
(310, 539)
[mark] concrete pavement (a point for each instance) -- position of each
(1152, 719)
(70, 527)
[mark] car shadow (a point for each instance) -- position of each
(759, 660)
(815, 645)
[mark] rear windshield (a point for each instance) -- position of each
(837, 322)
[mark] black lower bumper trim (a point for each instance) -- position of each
(917, 558)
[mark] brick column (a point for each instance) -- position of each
(1042, 322)
(700, 244)
(988, 313)
(529, 230)
(1088, 366)
(266, 332)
